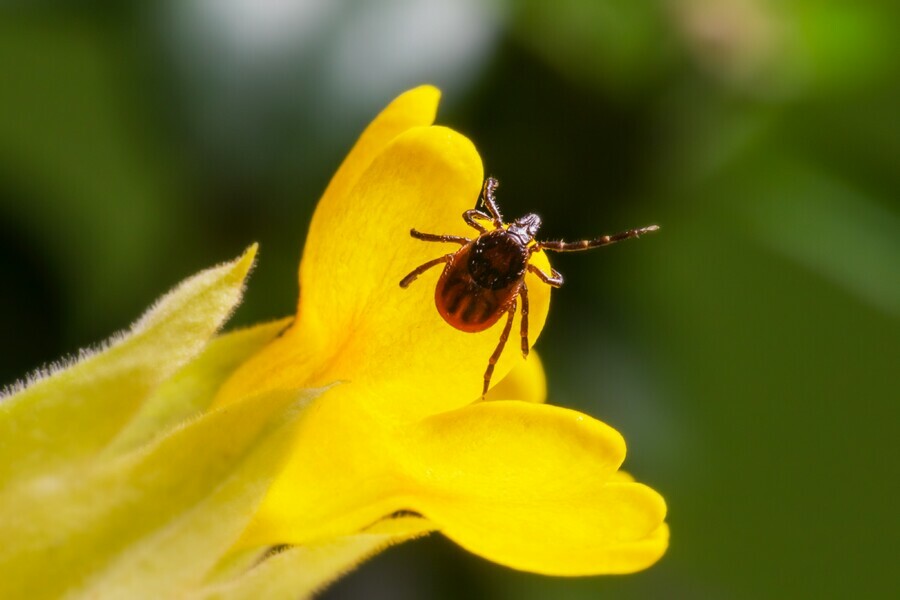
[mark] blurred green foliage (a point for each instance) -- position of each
(748, 352)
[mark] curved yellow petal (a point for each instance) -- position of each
(524, 449)
(533, 487)
(526, 382)
(355, 323)
(414, 108)
(607, 532)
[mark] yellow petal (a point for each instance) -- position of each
(355, 323)
(530, 486)
(604, 533)
(415, 108)
(526, 382)
(332, 224)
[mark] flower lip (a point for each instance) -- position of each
(531, 486)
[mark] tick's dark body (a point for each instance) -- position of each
(485, 278)
(481, 280)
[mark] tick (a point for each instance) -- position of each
(485, 278)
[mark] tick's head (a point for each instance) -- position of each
(525, 228)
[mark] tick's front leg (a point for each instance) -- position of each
(431, 237)
(422, 268)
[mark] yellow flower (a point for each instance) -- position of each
(524, 484)
(135, 472)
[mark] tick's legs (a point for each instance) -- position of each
(523, 294)
(555, 279)
(422, 268)
(430, 237)
(487, 196)
(597, 242)
(496, 355)
(470, 215)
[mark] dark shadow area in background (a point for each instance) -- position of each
(31, 305)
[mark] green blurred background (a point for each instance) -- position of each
(748, 352)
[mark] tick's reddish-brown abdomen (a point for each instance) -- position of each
(479, 283)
